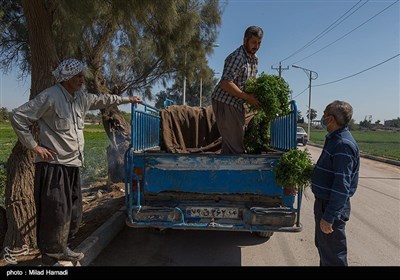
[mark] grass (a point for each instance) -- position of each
(378, 143)
(96, 142)
(8, 138)
(95, 166)
(7, 141)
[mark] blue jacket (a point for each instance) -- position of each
(335, 176)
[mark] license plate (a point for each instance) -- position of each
(213, 212)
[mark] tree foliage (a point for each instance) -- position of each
(313, 115)
(3, 114)
(129, 45)
(174, 92)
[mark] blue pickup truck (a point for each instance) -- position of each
(208, 191)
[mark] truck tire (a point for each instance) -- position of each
(265, 234)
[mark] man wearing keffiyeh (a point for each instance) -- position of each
(60, 112)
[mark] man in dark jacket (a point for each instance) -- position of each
(334, 181)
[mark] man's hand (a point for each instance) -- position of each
(134, 99)
(44, 153)
(325, 226)
(251, 99)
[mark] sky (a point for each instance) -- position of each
(334, 38)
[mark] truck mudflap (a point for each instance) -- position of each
(254, 219)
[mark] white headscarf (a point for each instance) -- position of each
(67, 69)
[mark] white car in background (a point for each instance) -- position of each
(302, 136)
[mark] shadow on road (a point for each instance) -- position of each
(147, 247)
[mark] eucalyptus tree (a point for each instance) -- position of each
(128, 47)
(313, 114)
(192, 90)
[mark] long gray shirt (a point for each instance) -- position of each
(60, 117)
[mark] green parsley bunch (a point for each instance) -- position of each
(294, 169)
(273, 93)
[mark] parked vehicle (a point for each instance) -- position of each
(302, 136)
(208, 191)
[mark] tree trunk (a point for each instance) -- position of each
(20, 207)
(119, 133)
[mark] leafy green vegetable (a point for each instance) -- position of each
(256, 138)
(294, 169)
(273, 93)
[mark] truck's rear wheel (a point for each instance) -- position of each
(265, 234)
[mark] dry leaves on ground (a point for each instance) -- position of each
(100, 202)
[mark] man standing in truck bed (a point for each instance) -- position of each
(228, 97)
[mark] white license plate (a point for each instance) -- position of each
(213, 212)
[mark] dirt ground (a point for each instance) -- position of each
(100, 202)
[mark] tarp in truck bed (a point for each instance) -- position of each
(187, 129)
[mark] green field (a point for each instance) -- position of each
(95, 143)
(95, 168)
(378, 143)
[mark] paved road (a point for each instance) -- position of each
(373, 234)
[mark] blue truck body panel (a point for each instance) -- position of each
(206, 190)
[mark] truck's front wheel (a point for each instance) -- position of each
(265, 234)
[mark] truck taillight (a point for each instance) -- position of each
(290, 190)
(138, 171)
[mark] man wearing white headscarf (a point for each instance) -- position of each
(60, 112)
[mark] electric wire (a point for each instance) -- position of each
(300, 93)
(324, 84)
(347, 33)
(327, 30)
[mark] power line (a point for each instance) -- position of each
(347, 32)
(300, 93)
(328, 29)
(358, 72)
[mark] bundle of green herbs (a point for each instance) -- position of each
(274, 94)
(294, 170)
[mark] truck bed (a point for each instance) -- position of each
(207, 190)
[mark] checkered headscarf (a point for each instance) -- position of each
(67, 69)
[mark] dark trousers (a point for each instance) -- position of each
(332, 248)
(58, 201)
(230, 122)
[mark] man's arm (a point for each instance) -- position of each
(23, 117)
(343, 164)
(101, 101)
(233, 89)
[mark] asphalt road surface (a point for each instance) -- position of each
(373, 234)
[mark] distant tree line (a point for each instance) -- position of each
(3, 114)
(366, 123)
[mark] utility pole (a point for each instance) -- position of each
(312, 75)
(280, 69)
